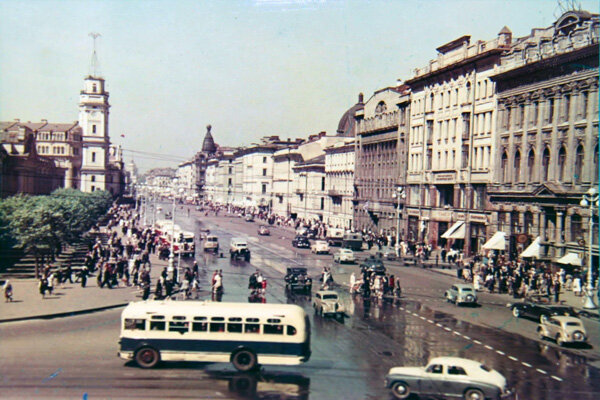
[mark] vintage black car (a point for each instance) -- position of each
(373, 264)
(297, 279)
(301, 242)
(540, 312)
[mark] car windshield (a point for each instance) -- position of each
(212, 239)
(330, 296)
(573, 324)
(467, 289)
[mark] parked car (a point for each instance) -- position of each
(447, 377)
(264, 231)
(327, 303)
(249, 218)
(563, 330)
(238, 248)
(301, 242)
(211, 243)
(461, 293)
(344, 256)
(373, 264)
(540, 312)
(387, 253)
(320, 247)
(297, 279)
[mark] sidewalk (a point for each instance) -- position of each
(70, 298)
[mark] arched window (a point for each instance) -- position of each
(545, 164)
(576, 228)
(530, 166)
(517, 166)
(579, 155)
(562, 161)
(504, 168)
(381, 108)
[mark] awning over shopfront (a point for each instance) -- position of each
(533, 250)
(456, 231)
(570, 258)
(496, 242)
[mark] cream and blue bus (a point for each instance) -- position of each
(245, 334)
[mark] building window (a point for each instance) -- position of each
(579, 157)
(264, 188)
(562, 158)
(521, 116)
(468, 93)
(504, 168)
(530, 165)
(517, 166)
(93, 156)
(465, 156)
(534, 113)
(264, 172)
(230, 170)
(93, 178)
(545, 164)
(528, 222)
(550, 112)
(566, 107)
(323, 183)
(93, 128)
(322, 203)
(229, 182)
(94, 88)
(584, 104)
(576, 228)
(264, 160)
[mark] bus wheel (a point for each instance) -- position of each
(147, 357)
(244, 360)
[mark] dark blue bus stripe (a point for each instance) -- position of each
(217, 346)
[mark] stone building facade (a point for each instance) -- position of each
(547, 139)
(339, 184)
(379, 157)
(450, 144)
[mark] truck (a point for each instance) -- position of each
(352, 241)
(335, 236)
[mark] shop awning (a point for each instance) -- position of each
(456, 231)
(533, 250)
(496, 242)
(570, 258)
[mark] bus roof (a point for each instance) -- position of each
(208, 308)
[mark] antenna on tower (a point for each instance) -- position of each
(94, 64)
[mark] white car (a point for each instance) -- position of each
(211, 243)
(563, 330)
(320, 246)
(344, 255)
(327, 303)
(447, 377)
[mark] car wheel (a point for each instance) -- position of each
(400, 390)
(244, 360)
(474, 394)
(147, 357)
(543, 319)
(516, 312)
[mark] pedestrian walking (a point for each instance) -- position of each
(43, 286)
(8, 291)
(68, 273)
(83, 274)
(50, 284)
(577, 286)
(556, 288)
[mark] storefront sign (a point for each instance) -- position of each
(441, 215)
(445, 177)
(481, 218)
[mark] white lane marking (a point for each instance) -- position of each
(487, 346)
(541, 371)
(448, 329)
(439, 325)
(430, 321)
(466, 337)
(477, 341)
(526, 364)
(513, 358)
(557, 378)
(501, 352)
(423, 318)
(456, 333)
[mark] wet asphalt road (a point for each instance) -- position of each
(76, 357)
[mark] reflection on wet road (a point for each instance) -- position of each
(350, 360)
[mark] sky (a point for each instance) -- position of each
(249, 68)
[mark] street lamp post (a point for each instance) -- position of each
(398, 195)
(171, 256)
(590, 199)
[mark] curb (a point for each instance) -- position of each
(63, 314)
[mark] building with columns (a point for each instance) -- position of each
(380, 158)
(450, 145)
(546, 147)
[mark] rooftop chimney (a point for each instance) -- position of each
(361, 98)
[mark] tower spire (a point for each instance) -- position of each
(94, 64)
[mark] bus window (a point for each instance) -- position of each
(234, 327)
(200, 326)
(252, 320)
(291, 331)
(217, 327)
(251, 328)
(135, 324)
(181, 327)
(157, 325)
(273, 329)
(274, 320)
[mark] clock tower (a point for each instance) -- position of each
(93, 119)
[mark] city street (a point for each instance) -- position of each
(75, 357)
